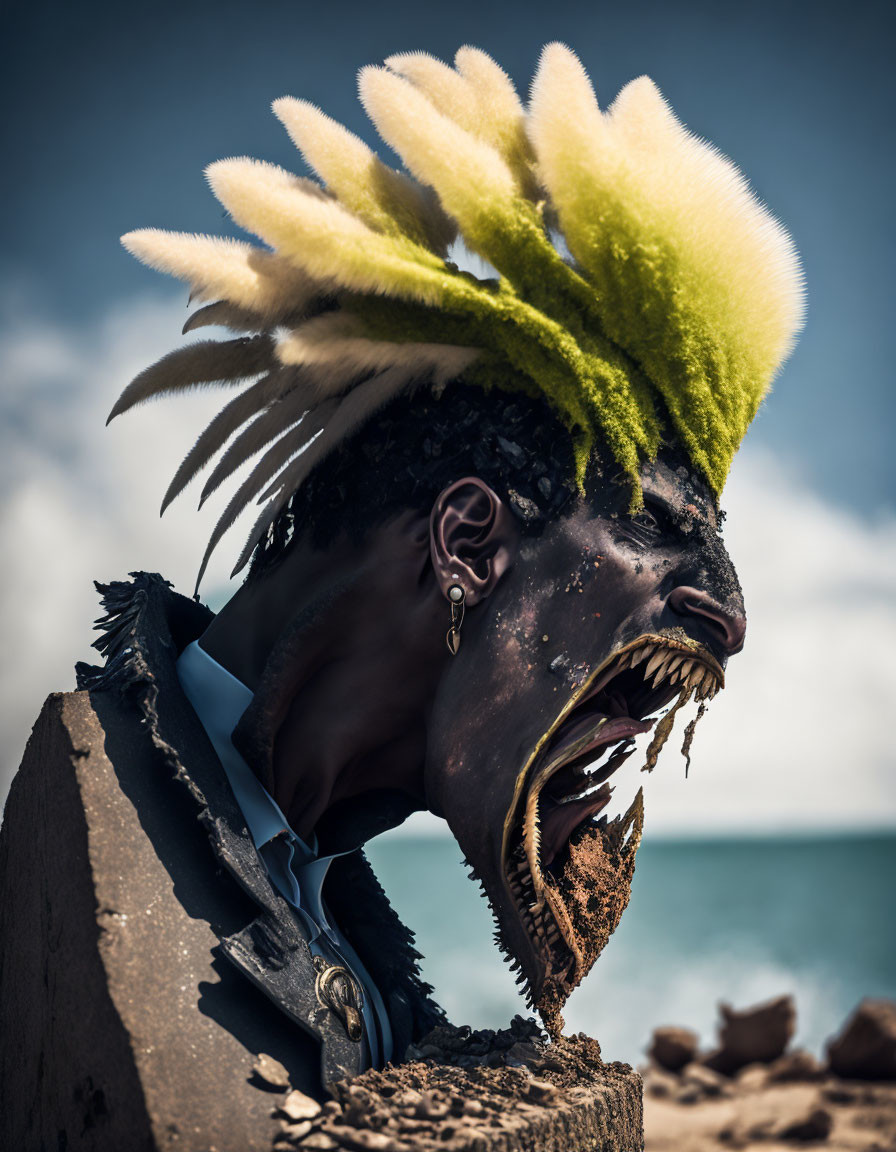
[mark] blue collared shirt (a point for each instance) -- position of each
(294, 867)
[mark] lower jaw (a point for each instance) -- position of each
(586, 901)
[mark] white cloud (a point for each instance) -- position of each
(800, 737)
(80, 501)
(798, 740)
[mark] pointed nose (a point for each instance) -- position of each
(728, 625)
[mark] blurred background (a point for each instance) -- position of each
(771, 868)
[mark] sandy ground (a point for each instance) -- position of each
(756, 1116)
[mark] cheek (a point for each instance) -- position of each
(599, 605)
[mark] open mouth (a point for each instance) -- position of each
(567, 868)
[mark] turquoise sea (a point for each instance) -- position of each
(738, 920)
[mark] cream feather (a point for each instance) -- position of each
(442, 86)
(479, 97)
(336, 344)
(320, 236)
(221, 269)
(386, 200)
(435, 147)
(502, 118)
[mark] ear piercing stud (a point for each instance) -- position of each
(456, 598)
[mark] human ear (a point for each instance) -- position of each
(473, 538)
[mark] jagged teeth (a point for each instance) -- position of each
(654, 662)
(666, 665)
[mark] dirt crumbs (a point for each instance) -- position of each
(464, 1091)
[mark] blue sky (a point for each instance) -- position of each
(113, 111)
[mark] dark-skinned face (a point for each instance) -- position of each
(602, 622)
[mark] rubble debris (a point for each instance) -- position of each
(794, 1101)
(659, 1084)
(297, 1106)
(752, 1077)
(271, 1071)
(706, 1082)
(672, 1048)
(754, 1035)
(813, 1125)
(793, 1124)
(798, 1065)
(475, 1096)
(866, 1048)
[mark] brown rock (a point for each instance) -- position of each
(816, 1124)
(431, 1108)
(660, 1084)
(672, 1048)
(541, 1091)
(841, 1094)
(365, 1141)
(295, 1132)
(795, 1066)
(866, 1048)
(297, 1106)
(758, 1034)
(707, 1082)
(271, 1071)
(752, 1078)
(524, 1052)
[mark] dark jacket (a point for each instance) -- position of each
(158, 960)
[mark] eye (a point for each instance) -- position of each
(645, 519)
(649, 524)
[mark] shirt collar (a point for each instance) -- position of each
(220, 700)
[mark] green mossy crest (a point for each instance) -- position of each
(640, 286)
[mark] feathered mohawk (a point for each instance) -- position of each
(680, 301)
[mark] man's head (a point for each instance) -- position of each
(552, 440)
(591, 631)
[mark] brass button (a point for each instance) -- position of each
(337, 989)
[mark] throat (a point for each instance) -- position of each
(348, 824)
(335, 760)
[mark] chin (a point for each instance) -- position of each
(565, 871)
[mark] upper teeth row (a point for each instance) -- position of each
(675, 666)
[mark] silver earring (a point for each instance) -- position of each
(456, 598)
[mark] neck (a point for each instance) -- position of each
(343, 649)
